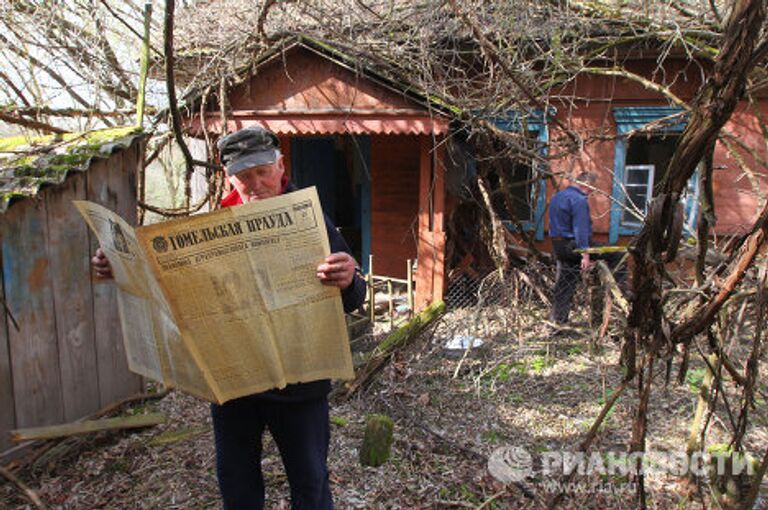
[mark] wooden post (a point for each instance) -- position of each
(425, 284)
(409, 272)
(143, 66)
(391, 305)
(377, 442)
(371, 291)
(438, 213)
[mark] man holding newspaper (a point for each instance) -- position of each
(297, 415)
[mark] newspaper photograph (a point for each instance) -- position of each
(226, 304)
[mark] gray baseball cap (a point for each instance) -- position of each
(249, 147)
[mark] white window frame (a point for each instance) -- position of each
(627, 206)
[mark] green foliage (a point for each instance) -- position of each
(116, 467)
(573, 350)
(339, 421)
(694, 378)
(491, 436)
(539, 363)
(499, 373)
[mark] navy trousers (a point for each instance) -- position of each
(301, 431)
(568, 274)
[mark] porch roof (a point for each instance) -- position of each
(314, 124)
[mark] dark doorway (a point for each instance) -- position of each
(339, 167)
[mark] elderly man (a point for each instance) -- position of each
(570, 228)
(297, 415)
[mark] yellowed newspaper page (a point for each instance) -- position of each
(242, 285)
(152, 339)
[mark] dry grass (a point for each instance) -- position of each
(523, 388)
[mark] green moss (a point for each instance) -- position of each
(339, 421)
(46, 167)
(176, 436)
(438, 101)
(13, 142)
(53, 168)
(102, 136)
(377, 442)
(7, 196)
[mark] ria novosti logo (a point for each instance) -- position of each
(510, 464)
(514, 463)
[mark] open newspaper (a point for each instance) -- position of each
(227, 304)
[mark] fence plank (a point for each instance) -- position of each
(110, 186)
(7, 411)
(73, 304)
(34, 354)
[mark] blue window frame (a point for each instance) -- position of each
(535, 124)
(633, 181)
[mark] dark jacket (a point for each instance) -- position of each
(569, 216)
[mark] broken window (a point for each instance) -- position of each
(648, 137)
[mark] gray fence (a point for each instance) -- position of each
(61, 349)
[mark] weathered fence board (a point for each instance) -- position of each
(7, 411)
(70, 271)
(67, 359)
(33, 349)
(108, 186)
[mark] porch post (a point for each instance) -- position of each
(430, 274)
(438, 211)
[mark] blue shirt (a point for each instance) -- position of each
(569, 216)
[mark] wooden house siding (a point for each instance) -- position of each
(592, 117)
(315, 84)
(737, 203)
(305, 91)
(66, 360)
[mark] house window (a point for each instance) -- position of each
(645, 165)
(638, 184)
(640, 164)
(514, 190)
(517, 187)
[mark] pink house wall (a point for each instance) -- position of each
(591, 117)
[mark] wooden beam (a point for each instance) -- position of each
(87, 427)
(438, 215)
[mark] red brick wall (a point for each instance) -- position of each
(736, 202)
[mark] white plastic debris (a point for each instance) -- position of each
(462, 342)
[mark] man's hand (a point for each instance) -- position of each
(338, 270)
(101, 266)
(585, 261)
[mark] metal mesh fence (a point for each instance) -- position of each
(489, 305)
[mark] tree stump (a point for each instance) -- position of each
(377, 442)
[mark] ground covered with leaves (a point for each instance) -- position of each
(524, 388)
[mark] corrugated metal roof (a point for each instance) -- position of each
(329, 125)
(27, 164)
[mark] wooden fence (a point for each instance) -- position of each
(61, 347)
(396, 299)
